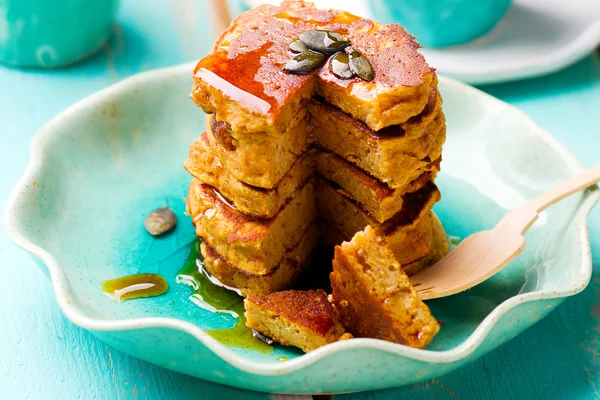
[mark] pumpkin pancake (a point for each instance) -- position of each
(258, 158)
(408, 233)
(243, 80)
(251, 244)
(304, 319)
(343, 148)
(373, 295)
(377, 198)
(203, 163)
(388, 157)
(288, 269)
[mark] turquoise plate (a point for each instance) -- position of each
(98, 168)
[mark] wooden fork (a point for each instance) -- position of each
(482, 254)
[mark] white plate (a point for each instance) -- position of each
(536, 37)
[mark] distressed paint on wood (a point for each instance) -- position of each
(43, 356)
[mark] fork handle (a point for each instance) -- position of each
(221, 16)
(576, 184)
(523, 217)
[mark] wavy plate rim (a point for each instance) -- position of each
(62, 292)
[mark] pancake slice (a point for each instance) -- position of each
(391, 155)
(251, 244)
(243, 78)
(287, 271)
(204, 165)
(408, 233)
(259, 158)
(381, 201)
(304, 319)
(373, 295)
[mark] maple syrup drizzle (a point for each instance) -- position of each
(211, 295)
(236, 77)
(135, 286)
(224, 200)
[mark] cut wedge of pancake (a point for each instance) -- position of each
(373, 295)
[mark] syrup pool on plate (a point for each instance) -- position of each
(135, 286)
(211, 295)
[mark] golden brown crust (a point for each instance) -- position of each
(255, 245)
(304, 319)
(310, 309)
(203, 163)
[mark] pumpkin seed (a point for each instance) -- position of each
(304, 63)
(298, 47)
(262, 337)
(160, 221)
(338, 65)
(361, 66)
(325, 42)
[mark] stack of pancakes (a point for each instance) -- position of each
(292, 161)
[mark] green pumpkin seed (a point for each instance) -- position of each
(325, 42)
(298, 47)
(361, 66)
(338, 65)
(262, 337)
(160, 221)
(304, 63)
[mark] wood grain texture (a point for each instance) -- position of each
(43, 356)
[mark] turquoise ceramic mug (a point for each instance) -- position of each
(53, 33)
(441, 23)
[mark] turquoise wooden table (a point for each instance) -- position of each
(44, 356)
